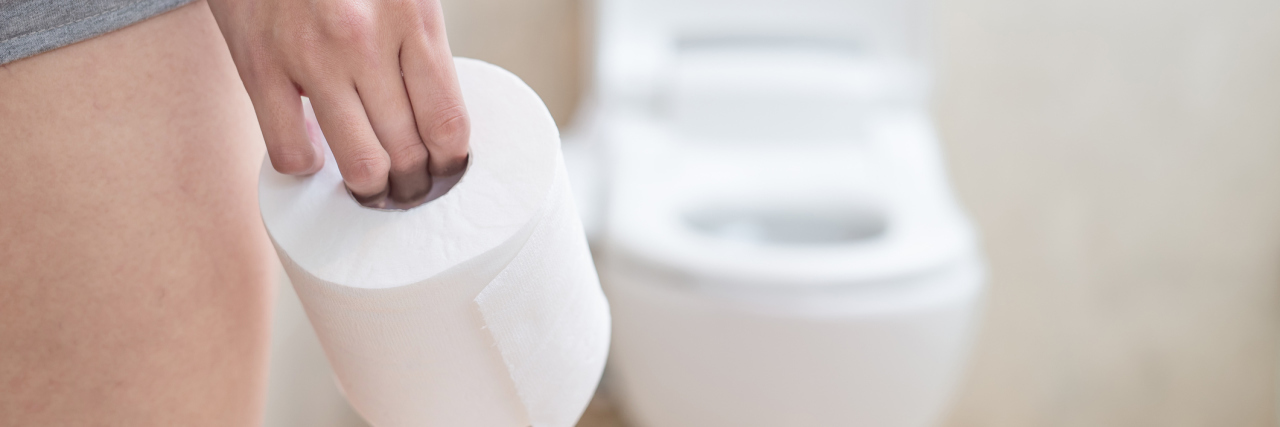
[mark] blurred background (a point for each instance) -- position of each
(1119, 159)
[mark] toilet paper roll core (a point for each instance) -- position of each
(440, 185)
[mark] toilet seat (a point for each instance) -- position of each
(668, 195)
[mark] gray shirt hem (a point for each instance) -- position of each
(36, 26)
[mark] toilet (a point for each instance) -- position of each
(772, 219)
(773, 286)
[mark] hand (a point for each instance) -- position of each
(380, 78)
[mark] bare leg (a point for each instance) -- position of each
(135, 276)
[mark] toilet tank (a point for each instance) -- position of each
(882, 27)
(761, 70)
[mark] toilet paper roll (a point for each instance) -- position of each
(479, 308)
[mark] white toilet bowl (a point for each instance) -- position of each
(777, 240)
(776, 286)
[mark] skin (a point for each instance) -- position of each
(135, 275)
(379, 75)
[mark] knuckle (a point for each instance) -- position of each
(349, 22)
(399, 10)
(409, 157)
(450, 128)
(367, 171)
(293, 160)
(426, 17)
(402, 6)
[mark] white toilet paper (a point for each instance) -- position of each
(480, 308)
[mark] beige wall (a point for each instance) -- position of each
(539, 40)
(1123, 160)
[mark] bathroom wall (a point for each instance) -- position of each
(542, 41)
(1123, 161)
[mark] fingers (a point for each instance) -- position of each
(432, 84)
(361, 159)
(279, 110)
(383, 94)
(392, 119)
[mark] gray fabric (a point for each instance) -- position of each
(28, 27)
